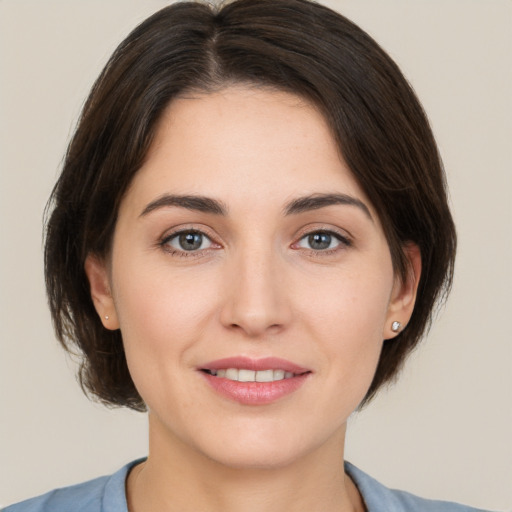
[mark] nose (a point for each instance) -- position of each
(256, 299)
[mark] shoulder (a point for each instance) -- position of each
(104, 494)
(85, 496)
(379, 498)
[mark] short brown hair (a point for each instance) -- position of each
(291, 45)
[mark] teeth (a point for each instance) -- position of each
(243, 375)
(246, 375)
(232, 374)
(265, 376)
(278, 374)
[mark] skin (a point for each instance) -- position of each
(256, 287)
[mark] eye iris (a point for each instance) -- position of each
(319, 240)
(190, 241)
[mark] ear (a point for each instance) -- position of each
(403, 296)
(99, 283)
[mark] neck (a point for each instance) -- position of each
(177, 477)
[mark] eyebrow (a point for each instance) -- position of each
(317, 201)
(213, 206)
(198, 203)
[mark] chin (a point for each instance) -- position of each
(267, 448)
(257, 457)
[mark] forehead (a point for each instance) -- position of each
(241, 144)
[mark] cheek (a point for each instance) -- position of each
(162, 314)
(350, 305)
(153, 299)
(347, 317)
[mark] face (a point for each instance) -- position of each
(245, 249)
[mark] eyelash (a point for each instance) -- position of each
(344, 243)
(165, 243)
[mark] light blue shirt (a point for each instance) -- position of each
(107, 494)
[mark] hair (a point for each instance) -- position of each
(295, 46)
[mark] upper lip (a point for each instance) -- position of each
(247, 363)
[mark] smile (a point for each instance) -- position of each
(244, 375)
(254, 381)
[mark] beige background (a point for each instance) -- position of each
(445, 429)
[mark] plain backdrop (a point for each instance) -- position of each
(445, 429)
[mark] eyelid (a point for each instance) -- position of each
(341, 234)
(345, 240)
(163, 241)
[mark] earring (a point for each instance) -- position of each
(396, 326)
(106, 317)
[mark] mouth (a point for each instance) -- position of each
(245, 375)
(254, 381)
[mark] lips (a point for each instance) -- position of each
(254, 381)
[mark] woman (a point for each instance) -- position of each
(247, 239)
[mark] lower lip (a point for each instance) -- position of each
(255, 393)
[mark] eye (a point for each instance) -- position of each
(322, 241)
(188, 241)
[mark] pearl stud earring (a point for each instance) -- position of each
(106, 317)
(396, 326)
